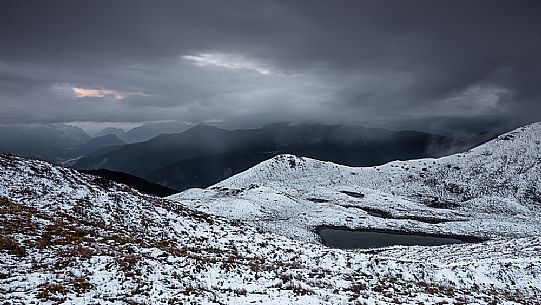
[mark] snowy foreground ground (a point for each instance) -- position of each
(73, 238)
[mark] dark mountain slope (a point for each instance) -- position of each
(96, 144)
(134, 182)
(206, 171)
(151, 130)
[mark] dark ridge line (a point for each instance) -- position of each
(138, 183)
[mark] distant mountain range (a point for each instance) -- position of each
(145, 132)
(55, 143)
(181, 158)
(63, 143)
(204, 155)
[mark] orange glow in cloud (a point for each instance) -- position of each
(85, 92)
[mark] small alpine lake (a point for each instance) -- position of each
(346, 238)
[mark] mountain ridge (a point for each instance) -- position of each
(491, 190)
(163, 159)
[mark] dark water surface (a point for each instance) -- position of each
(352, 239)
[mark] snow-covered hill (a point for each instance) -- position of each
(71, 238)
(490, 191)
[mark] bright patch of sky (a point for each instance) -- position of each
(228, 61)
(118, 95)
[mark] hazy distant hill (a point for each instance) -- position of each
(56, 143)
(145, 132)
(97, 144)
(118, 132)
(204, 155)
(48, 142)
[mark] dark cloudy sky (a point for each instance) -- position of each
(254, 62)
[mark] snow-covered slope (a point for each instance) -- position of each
(71, 238)
(492, 190)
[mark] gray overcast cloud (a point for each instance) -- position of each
(254, 62)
